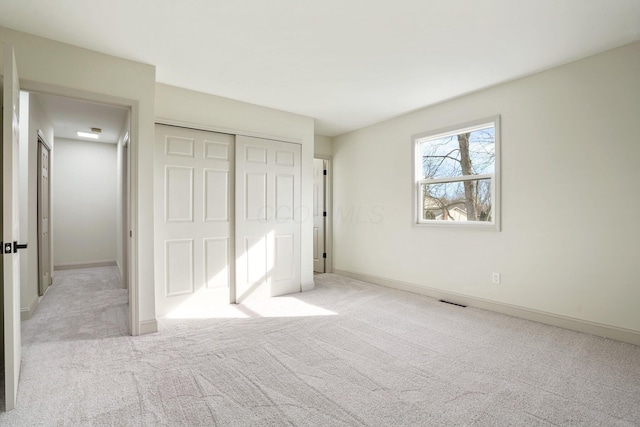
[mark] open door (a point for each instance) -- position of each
(10, 229)
(319, 215)
(44, 243)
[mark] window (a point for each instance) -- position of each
(457, 175)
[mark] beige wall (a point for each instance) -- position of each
(322, 146)
(84, 207)
(570, 173)
(58, 68)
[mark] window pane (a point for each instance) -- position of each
(470, 153)
(457, 201)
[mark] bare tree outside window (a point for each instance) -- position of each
(456, 174)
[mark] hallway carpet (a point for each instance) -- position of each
(345, 354)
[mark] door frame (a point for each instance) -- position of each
(125, 212)
(134, 132)
(328, 205)
(43, 142)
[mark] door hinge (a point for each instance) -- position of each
(130, 233)
(324, 172)
(324, 214)
(324, 255)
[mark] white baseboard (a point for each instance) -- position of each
(614, 332)
(85, 265)
(148, 326)
(27, 312)
(304, 287)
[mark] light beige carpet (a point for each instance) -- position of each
(345, 354)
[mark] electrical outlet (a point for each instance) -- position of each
(496, 278)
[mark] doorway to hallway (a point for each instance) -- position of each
(75, 189)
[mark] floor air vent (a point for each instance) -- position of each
(452, 303)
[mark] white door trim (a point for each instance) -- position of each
(220, 129)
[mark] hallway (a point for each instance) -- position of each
(81, 311)
(83, 304)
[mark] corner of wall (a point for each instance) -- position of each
(322, 145)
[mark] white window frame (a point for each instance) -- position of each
(418, 181)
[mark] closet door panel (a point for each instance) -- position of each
(194, 236)
(267, 218)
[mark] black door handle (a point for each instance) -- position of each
(17, 246)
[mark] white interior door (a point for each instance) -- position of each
(44, 257)
(195, 232)
(10, 228)
(267, 218)
(319, 215)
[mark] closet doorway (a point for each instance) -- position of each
(228, 222)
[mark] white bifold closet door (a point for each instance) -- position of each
(194, 236)
(228, 220)
(268, 223)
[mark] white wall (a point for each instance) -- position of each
(32, 119)
(67, 70)
(84, 207)
(208, 112)
(322, 146)
(570, 236)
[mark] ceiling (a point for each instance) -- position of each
(69, 116)
(346, 63)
